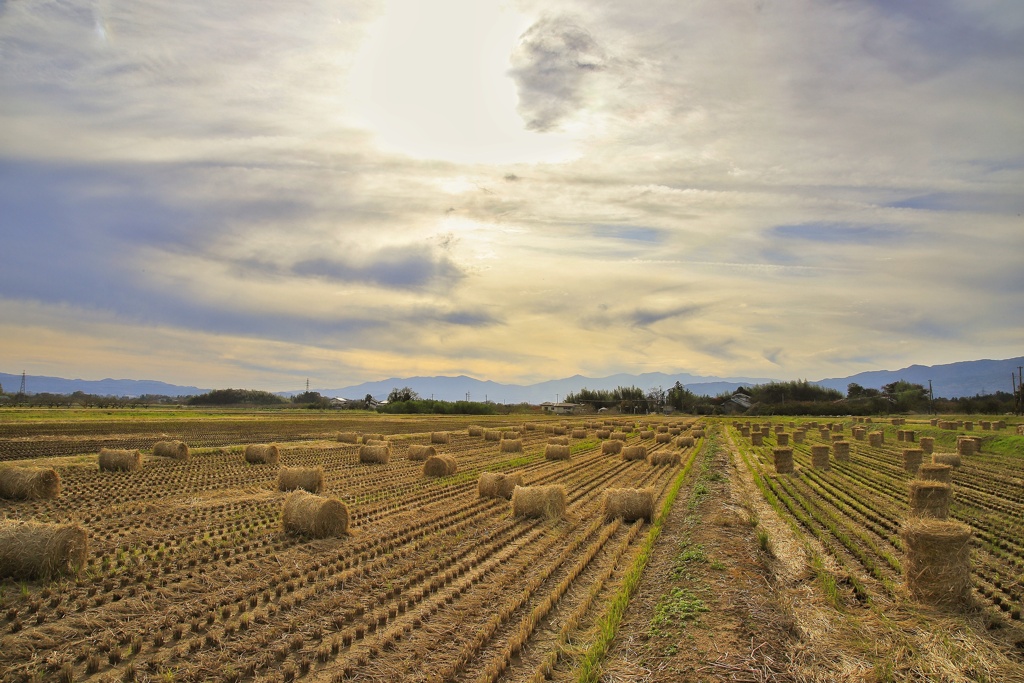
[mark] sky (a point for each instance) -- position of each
(239, 194)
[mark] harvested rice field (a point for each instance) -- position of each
(401, 571)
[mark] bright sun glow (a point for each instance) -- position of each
(432, 82)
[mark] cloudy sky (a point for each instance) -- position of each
(253, 193)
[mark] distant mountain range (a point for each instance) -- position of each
(953, 380)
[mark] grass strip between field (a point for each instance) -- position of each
(590, 665)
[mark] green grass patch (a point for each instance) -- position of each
(676, 609)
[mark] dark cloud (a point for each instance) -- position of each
(630, 232)
(405, 267)
(550, 66)
(837, 233)
(647, 317)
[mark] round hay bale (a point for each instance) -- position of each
(841, 449)
(912, 458)
(348, 437)
(530, 427)
(757, 439)
(966, 446)
(618, 436)
(782, 438)
(559, 441)
(440, 466)
(927, 444)
(661, 429)
(799, 435)
(929, 498)
(309, 479)
(675, 431)
(479, 431)
(559, 431)
(647, 434)
(30, 550)
(875, 439)
(25, 483)
(634, 453)
(579, 433)
(698, 433)
(119, 460)
(820, 458)
(930, 471)
(539, 501)
(603, 433)
(685, 441)
(420, 452)
(440, 437)
(379, 455)
(497, 484)
(556, 452)
(612, 447)
(310, 515)
(265, 454)
(662, 437)
(664, 457)
(492, 435)
(367, 438)
(629, 504)
(511, 446)
(951, 459)
(178, 450)
(937, 566)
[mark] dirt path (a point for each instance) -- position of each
(705, 609)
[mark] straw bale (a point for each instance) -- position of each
(783, 460)
(968, 426)
(420, 452)
(912, 458)
(556, 452)
(539, 501)
(909, 435)
(675, 431)
(929, 498)
(936, 472)
(440, 437)
(841, 449)
(820, 458)
(30, 550)
(603, 433)
(647, 434)
(951, 459)
(177, 450)
(782, 438)
(511, 446)
(559, 431)
(440, 466)
(937, 566)
(612, 447)
(348, 437)
(663, 438)
(119, 460)
(579, 433)
(664, 457)
(875, 439)
(309, 479)
(492, 435)
(778, 429)
(377, 442)
(745, 432)
(618, 436)
(367, 438)
(498, 484)
(559, 441)
(24, 483)
(479, 431)
(634, 453)
(756, 439)
(374, 454)
(698, 433)
(310, 515)
(685, 441)
(530, 427)
(267, 454)
(927, 444)
(629, 504)
(966, 445)
(798, 436)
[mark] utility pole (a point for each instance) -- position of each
(931, 397)
(467, 397)
(307, 385)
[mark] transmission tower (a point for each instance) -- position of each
(21, 391)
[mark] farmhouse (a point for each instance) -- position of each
(559, 408)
